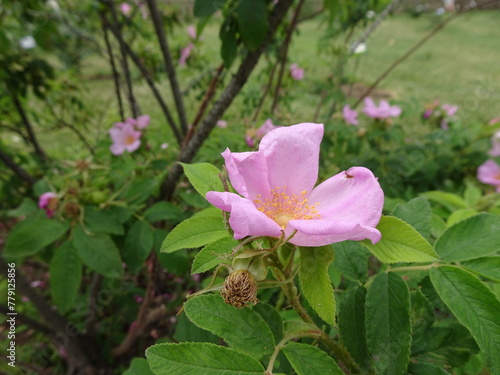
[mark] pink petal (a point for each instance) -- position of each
(116, 133)
(248, 173)
(292, 155)
(117, 149)
(245, 219)
(353, 194)
(489, 173)
(349, 204)
(338, 232)
(45, 198)
(131, 121)
(143, 121)
(133, 146)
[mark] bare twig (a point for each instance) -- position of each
(167, 57)
(124, 60)
(204, 104)
(137, 61)
(284, 54)
(226, 98)
(17, 169)
(29, 128)
(95, 285)
(116, 76)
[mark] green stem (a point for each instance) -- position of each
(412, 268)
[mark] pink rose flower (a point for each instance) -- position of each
(495, 144)
(191, 30)
(489, 173)
(277, 194)
(185, 52)
(449, 109)
(222, 124)
(124, 139)
(140, 123)
(48, 202)
(384, 110)
(350, 115)
(296, 72)
(125, 8)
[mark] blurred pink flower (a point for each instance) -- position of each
(296, 72)
(277, 194)
(125, 8)
(495, 144)
(164, 146)
(222, 124)
(191, 30)
(48, 202)
(249, 140)
(140, 123)
(489, 173)
(124, 138)
(185, 52)
(350, 115)
(449, 109)
(494, 120)
(265, 128)
(384, 110)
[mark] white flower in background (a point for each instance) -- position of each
(54, 5)
(360, 48)
(27, 42)
(370, 14)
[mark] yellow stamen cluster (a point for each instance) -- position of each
(283, 206)
(130, 139)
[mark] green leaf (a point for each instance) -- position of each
(252, 22)
(488, 267)
(140, 190)
(471, 238)
(451, 201)
(210, 256)
(472, 195)
(438, 226)
(194, 232)
(33, 234)
(65, 276)
(139, 366)
(98, 252)
(422, 313)
(425, 369)
(204, 177)
(400, 243)
(27, 207)
(272, 318)
(460, 215)
(138, 245)
(315, 281)
(417, 213)
(164, 211)
(205, 8)
(200, 359)
(243, 329)
(388, 326)
(352, 325)
(474, 305)
(185, 330)
(351, 260)
(310, 360)
(229, 43)
(102, 221)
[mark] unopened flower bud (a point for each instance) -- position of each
(240, 288)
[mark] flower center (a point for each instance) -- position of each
(283, 207)
(129, 140)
